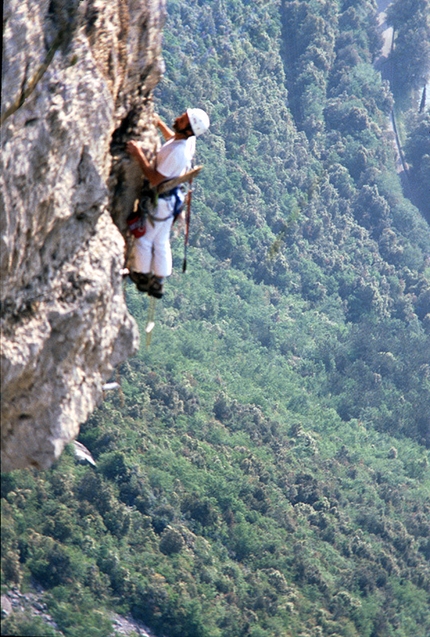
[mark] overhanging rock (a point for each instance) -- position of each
(73, 73)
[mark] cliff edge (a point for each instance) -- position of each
(77, 78)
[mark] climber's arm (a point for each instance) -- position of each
(152, 175)
(164, 129)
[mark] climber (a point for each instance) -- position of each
(153, 256)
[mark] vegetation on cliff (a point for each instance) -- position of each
(264, 471)
(411, 54)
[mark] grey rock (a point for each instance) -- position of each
(6, 606)
(64, 319)
(39, 606)
(82, 454)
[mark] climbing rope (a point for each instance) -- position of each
(150, 320)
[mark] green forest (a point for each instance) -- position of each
(264, 469)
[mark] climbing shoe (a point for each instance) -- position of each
(141, 280)
(156, 287)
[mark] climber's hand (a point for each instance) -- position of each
(133, 149)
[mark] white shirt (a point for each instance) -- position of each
(175, 156)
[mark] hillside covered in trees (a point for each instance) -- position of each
(264, 470)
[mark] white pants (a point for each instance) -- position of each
(152, 252)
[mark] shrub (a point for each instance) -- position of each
(171, 541)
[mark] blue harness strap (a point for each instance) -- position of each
(179, 200)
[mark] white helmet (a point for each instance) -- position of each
(199, 120)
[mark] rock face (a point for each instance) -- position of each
(76, 82)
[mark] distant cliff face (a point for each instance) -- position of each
(77, 79)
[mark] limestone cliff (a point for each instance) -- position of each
(76, 82)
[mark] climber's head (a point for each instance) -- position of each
(199, 120)
(182, 125)
(194, 121)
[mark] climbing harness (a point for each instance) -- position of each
(179, 195)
